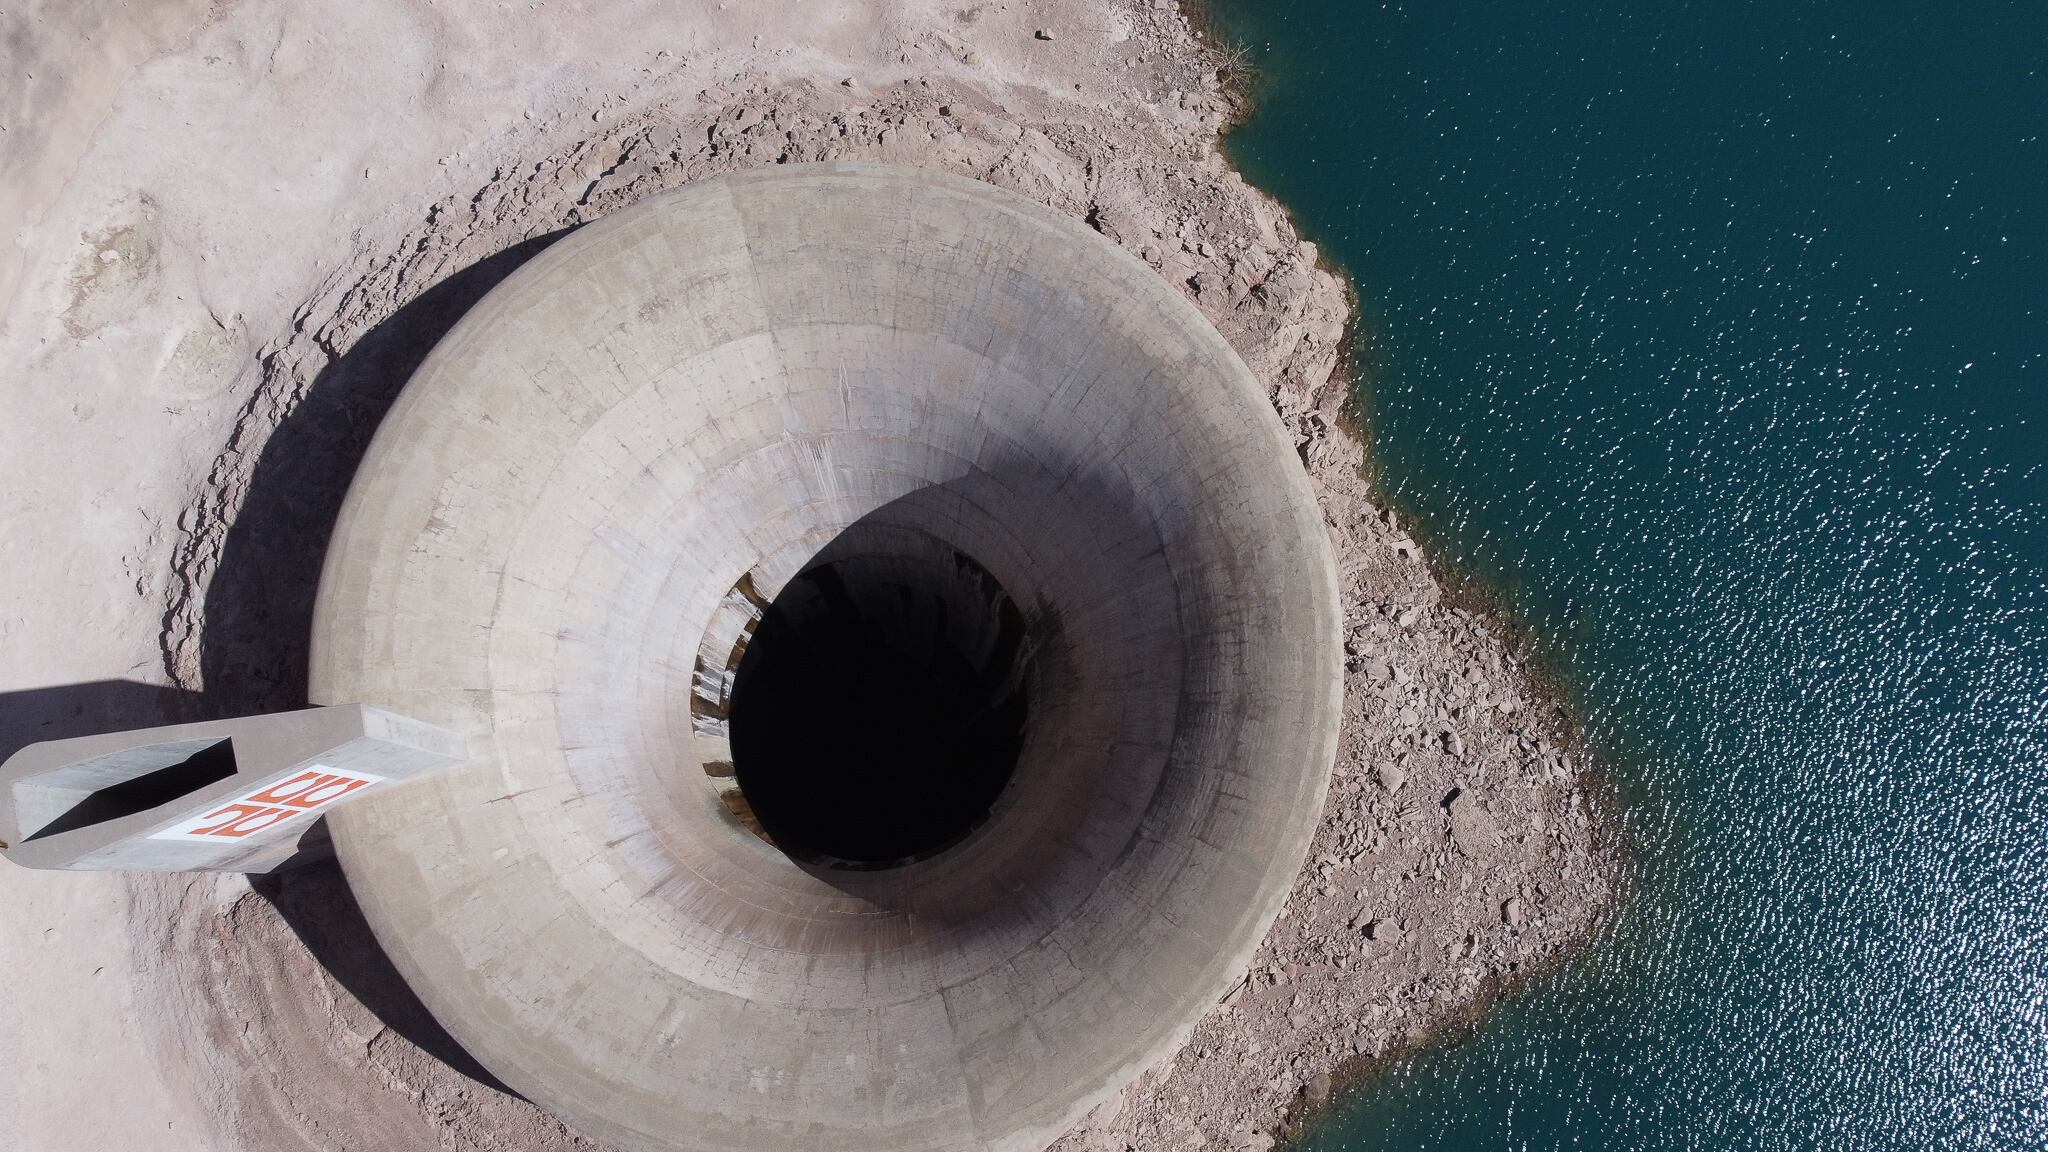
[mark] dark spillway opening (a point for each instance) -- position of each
(189, 770)
(880, 707)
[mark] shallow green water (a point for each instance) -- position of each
(1716, 338)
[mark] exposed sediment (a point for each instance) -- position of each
(1457, 849)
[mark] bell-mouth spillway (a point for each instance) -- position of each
(898, 650)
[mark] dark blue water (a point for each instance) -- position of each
(1715, 338)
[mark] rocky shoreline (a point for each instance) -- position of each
(1461, 846)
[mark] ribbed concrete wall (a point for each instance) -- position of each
(708, 387)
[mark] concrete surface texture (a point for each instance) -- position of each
(693, 398)
(217, 796)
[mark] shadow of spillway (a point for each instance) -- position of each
(259, 603)
(259, 611)
(315, 900)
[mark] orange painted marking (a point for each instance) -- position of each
(265, 809)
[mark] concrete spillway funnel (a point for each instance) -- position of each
(899, 651)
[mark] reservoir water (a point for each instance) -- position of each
(1714, 339)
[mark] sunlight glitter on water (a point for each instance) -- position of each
(1716, 342)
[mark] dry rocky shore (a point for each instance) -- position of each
(1459, 850)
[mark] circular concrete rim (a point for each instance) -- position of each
(699, 392)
